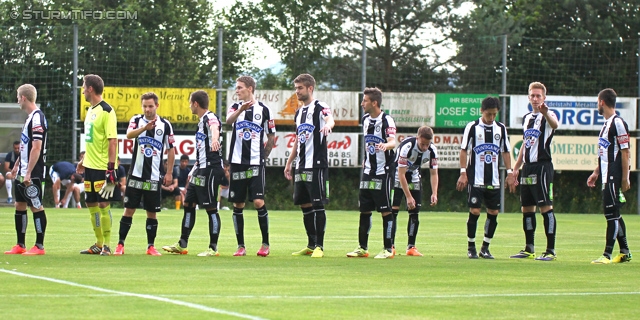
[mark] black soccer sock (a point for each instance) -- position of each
(214, 228)
(152, 231)
(364, 229)
(529, 227)
(238, 224)
(309, 219)
(412, 229)
(489, 229)
(612, 231)
(125, 226)
(472, 225)
(263, 221)
(40, 222)
(188, 221)
(321, 224)
(550, 230)
(21, 226)
(622, 237)
(387, 226)
(394, 213)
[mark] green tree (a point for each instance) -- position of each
(302, 31)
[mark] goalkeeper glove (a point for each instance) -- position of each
(110, 175)
(109, 186)
(107, 190)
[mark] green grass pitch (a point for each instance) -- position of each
(443, 284)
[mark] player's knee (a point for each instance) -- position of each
(258, 203)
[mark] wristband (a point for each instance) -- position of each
(509, 171)
(463, 170)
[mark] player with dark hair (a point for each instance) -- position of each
(30, 172)
(413, 152)
(153, 135)
(206, 176)
(483, 141)
(314, 122)
(9, 161)
(613, 166)
(537, 173)
(378, 171)
(253, 138)
(98, 163)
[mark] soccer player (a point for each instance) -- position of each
(171, 189)
(98, 163)
(9, 162)
(613, 166)
(253, 123)
(30, 172)
(413, 152)
(153, 135)
(482, 143)
(61, 174)
(377, 174)
(314, 122)
(536, 185)
(206, 175)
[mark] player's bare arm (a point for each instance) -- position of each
(171, 157)
(134, 133)
(462, 180)
(292, 156)
(232, 115)
(550, 116)
(33, 160)
(271, 142)
(434, 186)
(215, 139)
(329, 124)
(591, 181)
(506, 157)
(389, 145)
(626, 183)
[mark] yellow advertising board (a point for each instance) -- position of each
(174, 102)
(574, 153)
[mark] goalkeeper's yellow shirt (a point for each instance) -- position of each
(100, 125)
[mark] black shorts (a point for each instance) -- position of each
(536, 184)
(490, 195)
(612, 198)
(133, 195)
(375, 193)
(246, 178)
(398, 195)
(166, 193)
(311, 186)
(203, 187)
(32, 194)
(93, 182)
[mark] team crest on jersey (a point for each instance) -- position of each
(370, 141)
(309, 115)
(305, 131)
(149, 146)
(474, 200)
(257, 117)
(488, 152)
(530, 137)
(159, 132)
(93, 116)
(248, 130)
(496, 137)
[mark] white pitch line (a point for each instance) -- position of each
(449, 296)
(137, 295)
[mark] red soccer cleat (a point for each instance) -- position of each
(17, 249)
(119, 250)
(264, 251)
(35, 251)
(153, 252)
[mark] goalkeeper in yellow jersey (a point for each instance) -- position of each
(101, 144)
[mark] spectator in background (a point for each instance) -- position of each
(183, 177)
(121, 184)
(9, 162)
(172, 189)
(61, 173)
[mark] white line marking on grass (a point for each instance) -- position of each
(441, 296)
(137, 295)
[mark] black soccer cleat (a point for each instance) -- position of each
(485, 254)
(472, 254)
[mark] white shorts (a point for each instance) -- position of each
(224, 192)
(55, 177)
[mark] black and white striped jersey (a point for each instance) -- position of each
(484, 143)
(205, 157)
(35, 128)
(312, 145)
(613, 137)
(149, 147)
(537, 136)
(409, 156)
(250, 133)
(377, 130)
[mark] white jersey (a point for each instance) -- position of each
(613, 137)
(411, 157)
(35, 128)
(312, 144)
(537, 136)
(149, 147)
(377, 130)
(484, 144)
(250, 132)
(205, 157)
